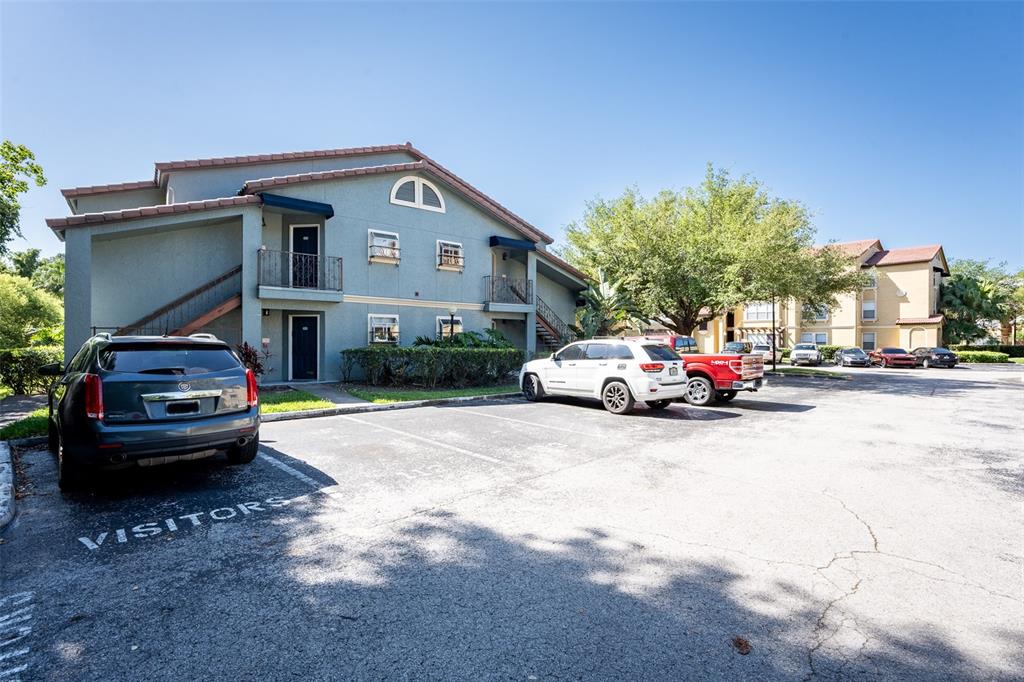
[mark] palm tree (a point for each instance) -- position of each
(605, 311)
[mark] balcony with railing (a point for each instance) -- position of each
(508, 294)
(299, 276)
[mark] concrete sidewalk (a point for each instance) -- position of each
(330, 392)
(15, 407)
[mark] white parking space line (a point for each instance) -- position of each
(291, 471)
(15, 626)
(429, 441)
(521, 421)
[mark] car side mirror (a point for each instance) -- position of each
(555, 357)
(53, 369)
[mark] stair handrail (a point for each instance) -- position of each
(184, 298)
(551, 320)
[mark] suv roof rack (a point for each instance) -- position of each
(203, 335)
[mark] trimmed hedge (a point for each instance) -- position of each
(430, 366)
(981, 356)
(1012, 351)
(828, 351)
(19, 367)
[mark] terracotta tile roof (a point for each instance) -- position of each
(147, 212)
(547, 255)
(162, 166)
(934, 319)
(100, 189)
(854, 249)
(912, 254)
(427, 166)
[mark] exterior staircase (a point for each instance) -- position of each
(191, 311)
(552, 331)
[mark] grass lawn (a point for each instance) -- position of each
(32, 425)
(291, 401)
(811, 372)
(379, 394)
(1019, 361)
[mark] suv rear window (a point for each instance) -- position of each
(660, 353)
(167, 359)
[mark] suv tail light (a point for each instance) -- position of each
(252, 392)
(93, 397)
(736, 366)
(652, 366)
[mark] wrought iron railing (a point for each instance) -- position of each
(384, 251)
(556, 324)
(187, 307)
(450, 260)
(299, 270)
(508, 290)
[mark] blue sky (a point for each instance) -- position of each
(898, 121)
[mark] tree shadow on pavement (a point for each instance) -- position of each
(441, 597)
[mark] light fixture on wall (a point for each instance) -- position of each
(504, 255)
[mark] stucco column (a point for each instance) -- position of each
(77, 289)
(252, 311)
(531, 317)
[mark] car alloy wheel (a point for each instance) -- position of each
(698, 392)
(616, 398)
(927, 363)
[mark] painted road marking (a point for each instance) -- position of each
(15, 627)
(519, 421)
(291, 471)
(150, 529)
(429, 441)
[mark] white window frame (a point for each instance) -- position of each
(443, 320)
(370, 325)
(418, 202)
(371, 234)
(750, 315)
(864, 309)
(319, 329)
(458, 267)
(169, 197)
(864, 341)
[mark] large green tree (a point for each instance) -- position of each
(24, 311)
(684, 257)
(17, 168)
(975, 296)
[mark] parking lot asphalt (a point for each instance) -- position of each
(821, 528)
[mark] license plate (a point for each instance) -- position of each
(673, 371)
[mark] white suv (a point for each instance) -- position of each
(618, 372)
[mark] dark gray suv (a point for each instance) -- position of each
(148, 400)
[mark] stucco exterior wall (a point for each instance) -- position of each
(226, 181)
(115, 201)
(135, 274)
(560, 299)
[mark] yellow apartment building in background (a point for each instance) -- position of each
(899, 307)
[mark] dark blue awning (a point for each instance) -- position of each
(513, 243)
(300, 205)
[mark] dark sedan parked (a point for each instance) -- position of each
(892, 357)
(934, 357)
(852, 357)
(150, 400)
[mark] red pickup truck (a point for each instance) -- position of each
(714, 376)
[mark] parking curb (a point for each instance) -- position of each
(6, 485)
(380, 407)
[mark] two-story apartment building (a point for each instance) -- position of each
(899, 307)
(304, 254)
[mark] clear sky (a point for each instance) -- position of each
(898, 121)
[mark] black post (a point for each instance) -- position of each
(451, 326)
(775, 335)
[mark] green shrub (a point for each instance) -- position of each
(981, 356)
(430, 366)
(1012, 351)
(24, 310)
(784, 353)
(19, 367)
(828, 351)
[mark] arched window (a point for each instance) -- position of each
(417, 193)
